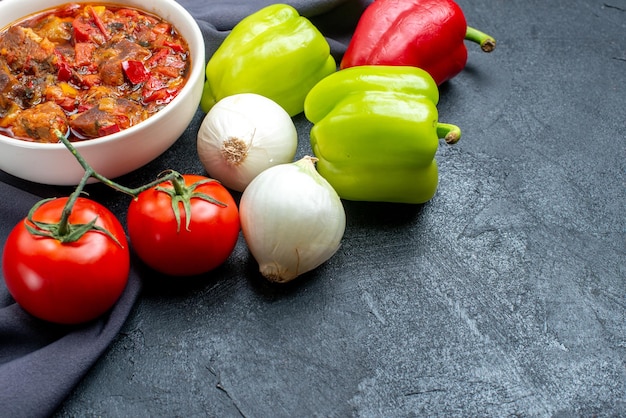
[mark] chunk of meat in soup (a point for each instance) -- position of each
(7, 106)
(110, 115)
(110, 60)
(24, 50)
(41, 122)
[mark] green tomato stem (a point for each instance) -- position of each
(90, 172)
(179, 191)
(487, 43)
(64, 231)
(180, 188)
(64, 225)
(451, 133)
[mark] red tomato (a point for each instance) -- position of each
(171, 247)
(72, 282)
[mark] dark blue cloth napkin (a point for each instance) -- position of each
(40, 363)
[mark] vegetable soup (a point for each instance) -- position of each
(87, 70)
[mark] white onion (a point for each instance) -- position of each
(292, 220)
(242, 135)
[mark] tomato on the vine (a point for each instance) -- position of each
(67, 282)
(183, 227)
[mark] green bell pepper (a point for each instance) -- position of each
(274, 52)
(376, 131)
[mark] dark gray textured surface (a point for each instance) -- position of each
(504, 295)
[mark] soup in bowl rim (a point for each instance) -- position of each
(122, 152)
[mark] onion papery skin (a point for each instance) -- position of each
(292, 220)
(242, 135)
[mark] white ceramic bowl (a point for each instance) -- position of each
(122, 152)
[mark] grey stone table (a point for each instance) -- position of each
(504, 295)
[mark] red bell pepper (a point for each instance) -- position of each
(65, 71)
(108, 130)
(428, 34)
(100, 24)
(135, 71)
(83, 54)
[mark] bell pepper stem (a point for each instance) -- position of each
(486, 42)
(451, 133)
